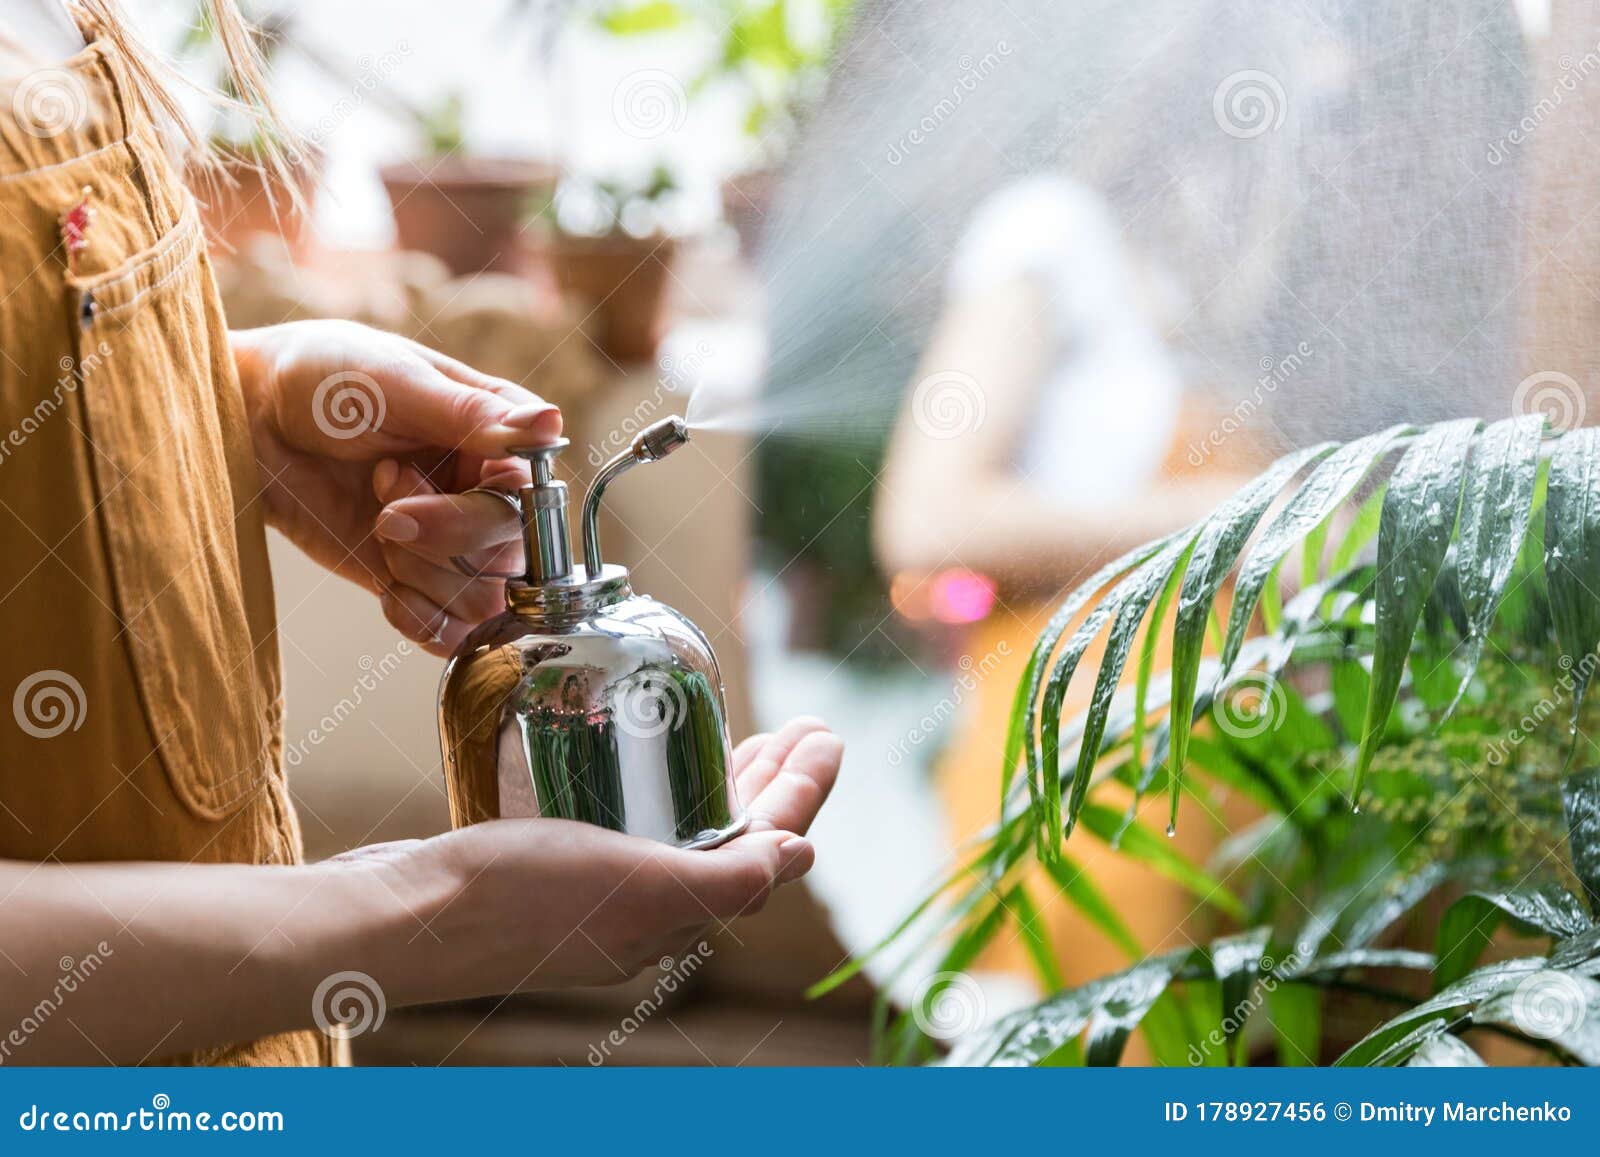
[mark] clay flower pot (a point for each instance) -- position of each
(257, 201)
(467, 211)
(623, 279)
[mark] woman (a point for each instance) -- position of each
(144, 819)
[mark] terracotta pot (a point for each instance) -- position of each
(746, 204)
(622, 279)
(467, 211)
(257, 202)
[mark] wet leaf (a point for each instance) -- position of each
(1022, 736)
(1495, 511)
(1419, 517)
(1469, 924)
(1444, 1052)
(1329, 484)
(1572, 554)
(1580, 797)
(1220, 540)
(1138, 842)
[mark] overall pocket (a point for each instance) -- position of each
(163, 417)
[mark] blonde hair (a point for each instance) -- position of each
(277, 148)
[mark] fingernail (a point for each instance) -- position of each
(397, 527)
(791, 857)
(527, 417)
(384, 476)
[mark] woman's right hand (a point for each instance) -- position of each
(551, 903)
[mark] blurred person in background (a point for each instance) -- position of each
(1054, 334)
(144, 815)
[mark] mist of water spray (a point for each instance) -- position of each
(1327, 184)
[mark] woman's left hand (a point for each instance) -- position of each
(366, 442)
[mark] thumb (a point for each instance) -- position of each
(486, 416)
(737, 878)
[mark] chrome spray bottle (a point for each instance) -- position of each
(586, 701)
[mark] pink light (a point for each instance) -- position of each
(961, 596)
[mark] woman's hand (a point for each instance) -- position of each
(365, 442)
(548, 903)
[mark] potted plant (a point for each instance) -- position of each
(1412, 727)
(608, 243)
(773, 55)
(466, 210)
(247, 197)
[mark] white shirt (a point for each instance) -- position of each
(1107, 409)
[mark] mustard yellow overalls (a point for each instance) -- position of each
(140, 659)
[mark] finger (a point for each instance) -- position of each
(423, 621)
(737, 878)
(764, 765)
(442, 526)
(436, 409)
(797, 792)
(467, 601)
(746, 751)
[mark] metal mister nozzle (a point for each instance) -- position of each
(547, 542)
(651, 444)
